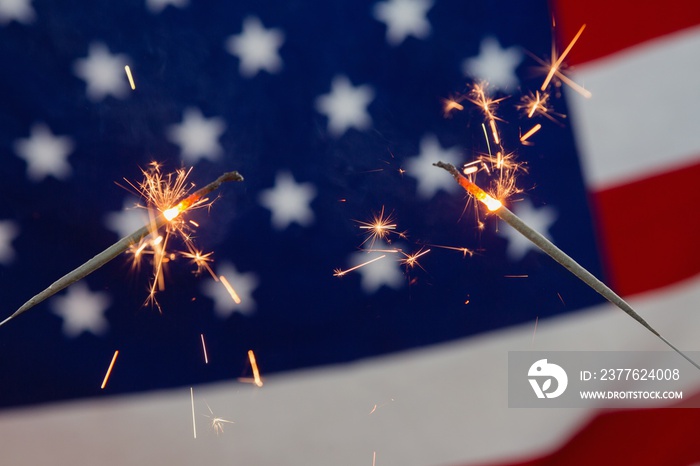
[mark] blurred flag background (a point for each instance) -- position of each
(334, 113)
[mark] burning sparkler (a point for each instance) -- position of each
(161, 192)
(495, 206)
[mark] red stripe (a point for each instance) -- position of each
(649, 230)
(648, 437)
(614, 25)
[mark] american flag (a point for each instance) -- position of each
(334, 113)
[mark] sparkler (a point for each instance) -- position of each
(554, 252)
(157, 191)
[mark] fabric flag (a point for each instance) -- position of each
(334, 113)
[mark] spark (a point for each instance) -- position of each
(191, 201)
(379, 228)
(131, 78)
(194, 422)
(532, 131)
(374, 458)
(554, 68)
(411, 260)
(555, 253)
(561, 299)
(340, 273)
(558, 61)
(231, 291)
(109, 370)
(479, 97)
(373, 409)
(254, 365)
(449, 105)
(200, 260)
(204, 349)
(217, 423)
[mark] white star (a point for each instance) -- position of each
(431, 179)
(382, 272)
(289, 201)
(346, 106)
(45, 153)
(541, 219)
(18, 10)
(257, 48)
(103, 72)
(198, 137)
(82, 310)
(494, 65)
(243, 283)
(156, 6)
(126, 221)
(8, 232)
(404, 18)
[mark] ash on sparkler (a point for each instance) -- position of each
(163, 193)
(554, 252)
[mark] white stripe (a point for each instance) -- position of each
(443, 405)
(643, 116)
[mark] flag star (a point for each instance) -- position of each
(257, 48)
(541, 219)
(82, 311)
(8, 232)
(17, 10)
(103, 72)
(431, 180)
(156, 6)
(126, 221)
(244, 284)
(346, 106)
(383, 272)
(404, 18)
(198, 137)
(289, 201)
(494, 65)
(45, 153)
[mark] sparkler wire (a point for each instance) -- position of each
(119, 247)
(560, 256)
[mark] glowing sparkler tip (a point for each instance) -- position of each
(491, 203)
(172, 213)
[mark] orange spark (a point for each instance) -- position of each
(449, 105)
(379, 228)
(532, 131)
(340, 273)
(204, 348)
(557, 63)
(464, 251)
(256, 373)
(229, 288)
(412, 260)
(109, 370)
(131, 78)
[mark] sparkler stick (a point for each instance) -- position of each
(554, 252)
(123, 244)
